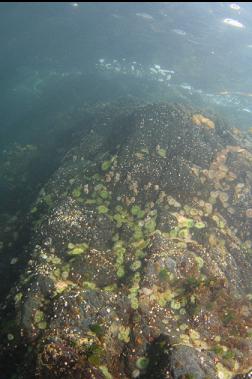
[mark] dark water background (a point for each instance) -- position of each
(60, 58)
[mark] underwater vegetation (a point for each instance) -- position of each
(140, 255)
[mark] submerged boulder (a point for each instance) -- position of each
(141, 251)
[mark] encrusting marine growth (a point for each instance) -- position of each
(141, 261)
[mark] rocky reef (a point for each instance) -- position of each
(140, 255)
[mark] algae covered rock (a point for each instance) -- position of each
(141, 254)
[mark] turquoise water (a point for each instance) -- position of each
(63, 63)
(49, 49)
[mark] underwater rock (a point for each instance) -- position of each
(140, 254)
(186, 362)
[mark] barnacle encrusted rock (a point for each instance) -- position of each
(140, 255)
